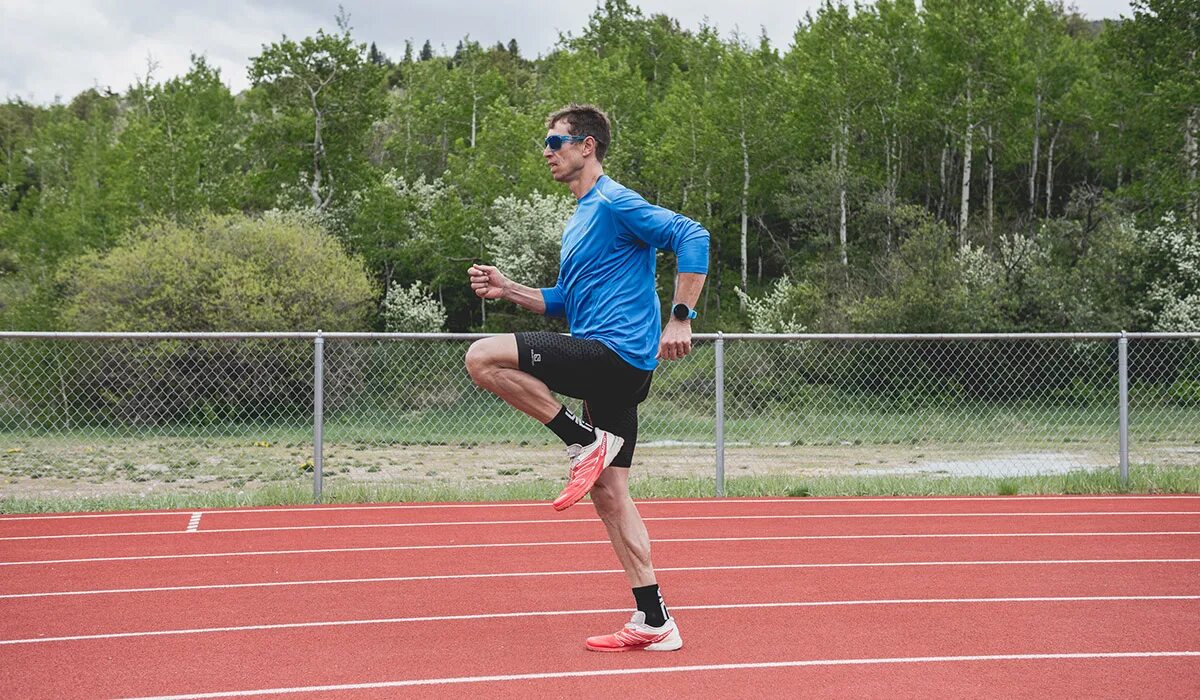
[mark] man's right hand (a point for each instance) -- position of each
(487, 282)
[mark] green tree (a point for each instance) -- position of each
(1158, 45)
(312, 107)
(924, 290)
(744, 92)
(972, 49)
(179, 147)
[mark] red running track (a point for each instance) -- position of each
(942, 597)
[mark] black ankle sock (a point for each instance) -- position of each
(571, 430)
(650, 601)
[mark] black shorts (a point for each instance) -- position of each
(610, 387)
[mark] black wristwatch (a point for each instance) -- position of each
(682, 312)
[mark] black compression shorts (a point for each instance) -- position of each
(610, 387)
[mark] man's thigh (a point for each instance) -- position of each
(584, 369)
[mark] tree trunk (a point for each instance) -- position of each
(1191, 153)
(715, 259)
(965, 208)
(842, 176)
(745, 203)
(474, 109)
(1033, 161)
(445, 149)
(942, 183)
(407, 143)
(314, 188)
(691, 172)
(889, 192)
(1050, 167)
(1192, 156)
(928, 181)
(991, 184)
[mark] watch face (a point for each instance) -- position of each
(680, 311)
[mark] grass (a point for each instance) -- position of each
(836, 419)
(1142, 479)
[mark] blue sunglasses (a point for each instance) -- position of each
(556, 142)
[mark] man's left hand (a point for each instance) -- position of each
(676, 340)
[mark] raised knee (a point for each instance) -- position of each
(478, 361)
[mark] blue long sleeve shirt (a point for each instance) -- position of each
(606, 281)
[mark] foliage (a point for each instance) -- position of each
(525, 238)
(923, 288)
(277, 272)
(413, 309)
(311, 107)
(1176, 290)
(781, 310)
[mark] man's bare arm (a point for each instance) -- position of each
(687, 288)
(489, 283)
(676, 339)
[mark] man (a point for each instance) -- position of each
(606, 290)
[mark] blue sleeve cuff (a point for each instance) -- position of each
(554, 301)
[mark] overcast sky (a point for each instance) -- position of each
(57, 48)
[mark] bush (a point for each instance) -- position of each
(413, 309)
(527, 235)
(279, 272)
(783, 309)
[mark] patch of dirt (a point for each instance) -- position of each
(50, 469)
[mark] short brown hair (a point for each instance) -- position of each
(588, 120)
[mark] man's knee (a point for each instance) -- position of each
(486, 355)
(477, 361)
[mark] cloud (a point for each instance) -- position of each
(54, 48)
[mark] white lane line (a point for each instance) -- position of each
(640, 501)
(574, 543)
(680, 669)
(591, 521)
(194, 523)
(591, 572)
(558, 613)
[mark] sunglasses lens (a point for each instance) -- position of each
(554, 142)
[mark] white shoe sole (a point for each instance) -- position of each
(672, 643)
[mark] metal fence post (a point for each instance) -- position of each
(1123, 403)
(720, 414)
(318, 412)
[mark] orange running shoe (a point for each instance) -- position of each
(586, 465)
(636, 635)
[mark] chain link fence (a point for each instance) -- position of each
(244, 410)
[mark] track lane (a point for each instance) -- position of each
(90, 523)
(227, 661)
(208, 539)
(598, 554)
(716, 507)
(603, 588)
